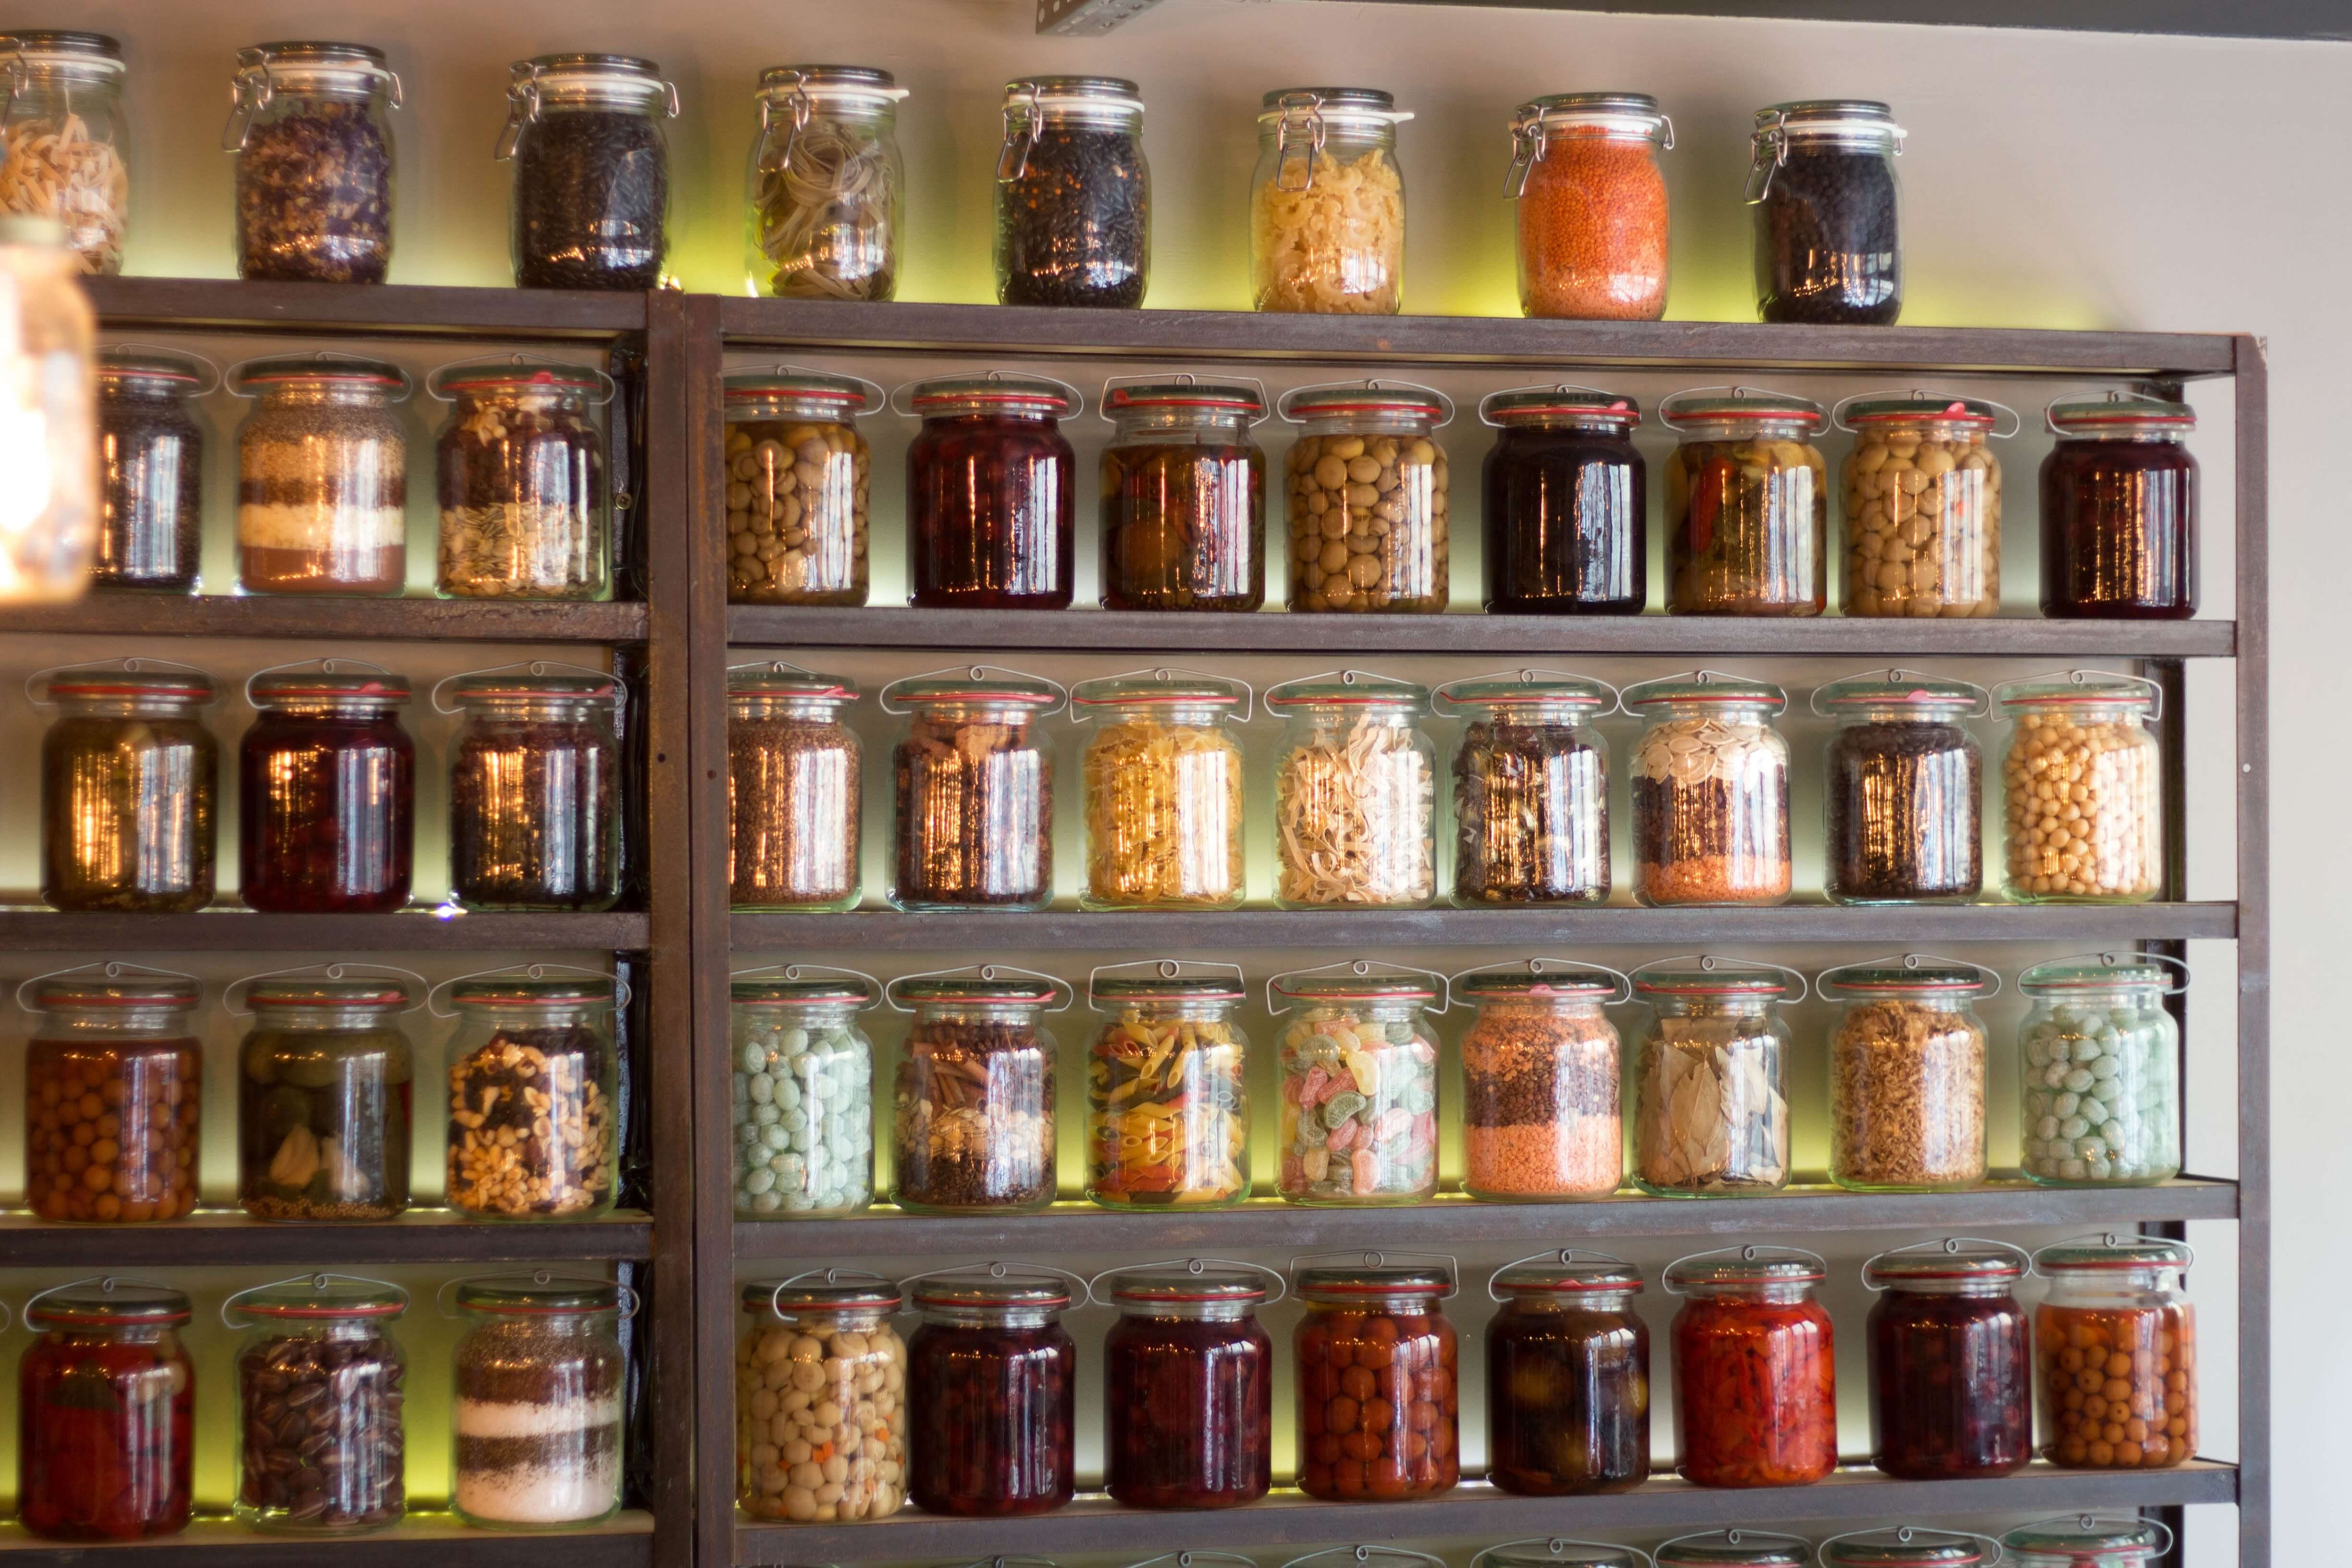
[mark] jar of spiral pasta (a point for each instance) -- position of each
(1326, 204)
(828, 188)
(1167, 1100)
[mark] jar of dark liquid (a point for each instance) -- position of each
(324, 1083)
(535, 791)
(1567, 1378)
(2119, 510)
(1566, 504)
(326, 792)
(1952, 1363)
(1190, 1376)
(129, 774)
(992, 493)
(1829, 245)
(991, 1385)
(151, 457)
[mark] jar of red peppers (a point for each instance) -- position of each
(972, 786)
(1591, 205)
(1568, 1377)
(991, 1381)
(2115, 1341)
(2089, 1541)
(1755, 1369)
(1748, 504)
(327, 791)
(1950, 1367)
(320, 1391)
(813, 1341)
(113, 1084)
(129, 776)
(972, 1116)
(1908, 1546)
(1188, 1375)
(2119, 510)
(535, 789)
(1379, 1407)
(1734, 1548)
(991, 492)
(106, 1413)
(1183, 496)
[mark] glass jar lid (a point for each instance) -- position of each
(1112, 992)
(1009, 989)
(1954, 1260)
(995, 391)
(1236, 399)
(2064, 975)
(1922, 408)
(2113, 1255)
(1314, 988)
(293, 991)
(1555, 1553)
(1549, 1276)
(1743, 1266)
(938, 691)
(1073, 97)
(70, 53)
(345, 372)
(981, 1290)
(535, 991)
(839, 396)
(1354, 689)
(1695, 979)
(1369, 104)
(1903, 1546)
(785, 990)
(524, 1296)
(1178, 1287)
(2081, 689)
(107, 1303)
(1704, 689)
(322, 1296)
(2119, 1540)
(1523, 985)
(1617, 113)
(492, 687)
(2119, 413)
(1528, 688)
(99, 992)
(593, 77)
(1160, 689)
(306, 65)
(1910, 694)
(190, 689)
(1365, 399)
(456, 381)
(835, 87)
(1734, 1548)
(1371, 1280)
(1741, 405)
(1941, 980)
(161, 369)
(1838, 119)
(822, 1292)
(1537, 404)
(788, 682)
(368, 688)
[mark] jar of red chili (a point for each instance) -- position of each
(113, 1087)
(1557, 1551)
(2119, 510)
(1734, 1548)
(1190, 1374)
(1379, 1410)
(991, 492)
(327, 791)
(991, 1381)
(1755, 1369)
(1591, 205)
(2116, 1344)
(1568, 1377)
(106, 1413)
(1908, 1546)
(2089, 1541)
(1951, 1368)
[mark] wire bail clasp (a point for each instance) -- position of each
(1191, 1266)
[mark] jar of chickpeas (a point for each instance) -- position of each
(2082, 782)
(798, 474)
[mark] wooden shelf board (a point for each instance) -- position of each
(230, 1237)
(244, 931)
(366, 620)
(625, 1541)
(406, 309)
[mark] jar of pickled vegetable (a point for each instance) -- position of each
(972, 1131)
(1908, 1546)
(799, 476)
(1540, 1108)
(829, 188)
(1907, 1074)
(113, 1090)
(537, 1401)
(1073, 193)
(817, 1339)
(2115, 1346)
(1355, 794)
(794, 772)
(1183, 496)
(1530, 789)
(1163, 777)
(535, 791)
(2120, 509)
(2083, 787)
(1358, 1085)
(1711, 1077)
(1188, 1374)
(2090, 1540)
(320, 1385)
(973, 783)
(1904, 790)
(991, 1386)
(324, 1093)
(129, 777)
(1167, 1096)
(106, 1435)
(311, 129)
(1591, 205)
(1755, 1369)
(1747, 505)
(534, 1082)
(1367, 497)
(804, 1101)
(1327, 202)
(1922, 507)
(1378, 1406)
(1568, 1377)
(526, 508)
(322, 476)
(1951, 1370)
(327, 792)
(2101, 1074)
(1734, 1548)
(151, 454)
(1710, 792)
(1829, 245)
(992, 493)
(1566, 502)
(591, 171)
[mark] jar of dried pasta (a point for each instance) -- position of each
(1367, 497)
(1359, 1068)
(63, 134)
(1539, 1104)
(1747, 505)
(1167, 1099)
(1591, 205)
(1530, 789)
(793, 772)
(1922, 507)
(972, 1127)
(828, 188)
(798, 477)
(2083, 788)
(1163, 790)
(1327, 202)
(1710, 792)
(1355, 794)
(1907, 1074)
(972, 780)
(1711, 1077)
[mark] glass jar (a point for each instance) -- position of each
(1540, 1092)
(1568, 1377)
(1710, 792)
(828, 190)
(1327, 202)
(1566, 504)
(129, 775)
(1829, 243)
(798, 479)
(1368, 498)
(2101, 1071)
(2119, 510)
(1742, 1547)
(1755, 1369)
(1355, 794)
(106, 1434)
(992, 493)
(1907, 1074)
(321, 1450)
(803, 1093)
(1167, 1095)
(322, 476)
(1591, 205)
(150, 453)
(48, 397)
(1951, 1373)
(534, 1116)
(2115, 1345)
(1904, 790)
(810, 1341)
(1183, 496)
(1747, 505)
(1163, 777)
(1358, 1066)
(326, 792)
(2089, 1541)
(793, 772)
(324, 1094)
(1556, 1551)
(1908, 1546)
(991, 1380)
(591, 171)
(64, 136)
(1073, 193)
(972, 1131)
(113, 1096)
(310, 124)
(526, 510)
(972, 780)
(1922, 508)
(2083, 789)
(536, 1405)
(1378, 1406)
(535, 791)
(1711, 1078)
(1530, 790)
(1188, 1374)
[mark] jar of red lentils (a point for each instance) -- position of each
(1591, 205)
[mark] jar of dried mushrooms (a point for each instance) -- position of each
(1907, 1074)
(1355, 794)
(1711, 1077)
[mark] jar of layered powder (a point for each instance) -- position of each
(322, 476)
(1710, 792)
(1539, 1091)
(538, 1403)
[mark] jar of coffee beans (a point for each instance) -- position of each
(591, 171)
(321, 1450)
(1073, 193)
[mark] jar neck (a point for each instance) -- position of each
(535, 1015)
(1012, 715)
(1407, 1303)
(155, 708)
(322, 394)
(1533, 713)
(1351, 132)
(1016, 1014)
(117, 1020)
(2138, 998)
(1190, 1311)
(356, 710)
(1175, 715)
(523, 395)
(342, 1327)
(1157, 1010)
(63, 1334)
(1553, 1302)
(537, 711)
(2170, 434)
(809, 709)
(1378, 1011)
(1974, 1290)
(116, 387)
(1972, 431)
(303, 1020)
(1721, 712)
(992, 1317)
(1755, 1293)
(584, 1323)
(742, 410)
(1670, 1006)
(2080, 1283)
(1921, 997)
(820, 1319)
(802, 1016)
(1331, 715)
(84, 80)
(990, 414)
(2122, 713)
(1134, 421)
(1588, 1007)
(1903, 713)
(1601, 425)
(864, 111)
(1369, 423)
(1859, 141)
(1749, 429)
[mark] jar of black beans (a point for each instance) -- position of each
(313, 145)
(1566, 504)
(1905, 784)
(1828, 246)
(151, 460)
(591, 171)
(1073, 193)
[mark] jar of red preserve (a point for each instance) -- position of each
(991, 1380)
(1755, 1369)
(327, 791)
(1190, 1374)
(106, 1413)
(1379, 1408)
(1951, 1362)
(991, 492)
(2119, 510)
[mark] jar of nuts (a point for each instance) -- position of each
(2115, 1346)
(798, 476)
(113, 1083)
(1367, 498)
(1747, 505)
(2083, 785)
(1327, 202)
(1907, 1074)
(534, 1115)
(1922, 507)
(2101, 1074)
(815, 1346)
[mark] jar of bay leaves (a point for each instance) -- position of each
(324, 1093)
(828, 189)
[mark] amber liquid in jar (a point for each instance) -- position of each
(992, 508)
(127, 809)
(2119, 1385)
(1183, 525)
(1190, 1411)
(994, 1414)
(1568, 1398)
(1950, 1386)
